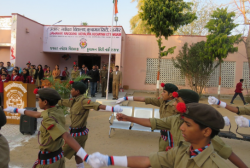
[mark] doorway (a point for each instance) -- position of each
(89, 60)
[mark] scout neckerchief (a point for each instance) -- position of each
(195, 152)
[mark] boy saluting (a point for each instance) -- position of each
(79, 111)
(51, 133)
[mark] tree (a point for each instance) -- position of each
(244, 10)
(220, 42)
(84, 23)
(137, 25)
(164, 18)
(195, 65)
(203, 10)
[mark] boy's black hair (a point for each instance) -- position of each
(241, 80)
(117, 66)
(214, 132)
(4, 75)
(51, 102)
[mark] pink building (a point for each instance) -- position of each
(23, 40)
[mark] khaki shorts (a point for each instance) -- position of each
(59, 164)
(69, 152)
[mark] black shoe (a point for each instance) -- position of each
(114, 99)
(103, 96)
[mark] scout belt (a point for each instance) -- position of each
(46, 157)
(76, 132)
(167, 136)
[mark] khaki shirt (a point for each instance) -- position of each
(75, 74)
(79, 110)
(179, 157)
(166, 109)
(51, 137)
(56, 73)
(244, 110)
(117, 77)
(32, 72)
(104, 74)
(4, 152)
(173, 124)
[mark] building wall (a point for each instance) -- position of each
(5, 55)
(5, 36)
(140, 47)
(29, 46)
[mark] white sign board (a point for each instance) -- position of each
(81, 39)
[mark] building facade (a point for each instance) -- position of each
(23, 40)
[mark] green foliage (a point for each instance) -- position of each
(220, 42)
(169, 51)
(84, 23)
(195, 65)
(165, 17)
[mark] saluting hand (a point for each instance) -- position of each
(14, 110)
(121, 117)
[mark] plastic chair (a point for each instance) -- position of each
(227, 134)
(142, 113)
(245, 136)
(120, 124)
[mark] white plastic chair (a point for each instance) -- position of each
(120, 124)
(142, 113)
(157, 115)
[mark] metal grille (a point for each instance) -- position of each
(227, 75)
(246, 74)
(169, 74)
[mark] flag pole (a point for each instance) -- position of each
(107, 89)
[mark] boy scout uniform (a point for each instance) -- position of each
(32, 73)
(173, 124)
(50, 137)
(117, 80)
(74, 74)
(166, 109)
(180, 156)
(79, 111)
(244, 110)
(4, 146)
(104, 76)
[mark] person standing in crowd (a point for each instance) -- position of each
(83, 68)
(98, 84)
(28, 66)
(32, 74)
(94, 74)
(3, 79)
(56, 72)
(1, 65)
(103, 80)
(65, 74)
(20, 71)
(9, 68)
(74, 73)
(4, 71)
(16, 68)
(238, 91)
(45, 68)
(48, 72)
(117, 82)
(110, 80)
(85, 72)
(39, 75)
(26, 78)
(15, 76)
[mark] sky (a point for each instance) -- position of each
(71, 12)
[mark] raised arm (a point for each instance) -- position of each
(140, 121)
(33, 114)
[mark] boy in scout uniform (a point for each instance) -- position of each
(51, 135)
(79, 111)
(201, 123)
(103, 80)
(166, 109)
(74, 73)
(173, 124)
(117, 81)
(4, 146)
